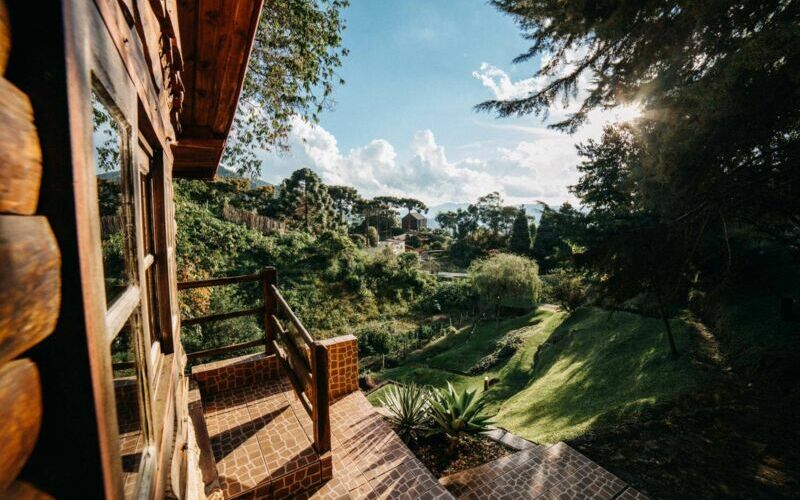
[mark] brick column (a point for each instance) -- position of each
(342, 365)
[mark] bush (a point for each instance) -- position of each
(408, 410)
(505, 278)
(450, 296)
(458, 413)
(565, 288)
(504, 349)
(359, 240)
(372, 342)
(372, 236)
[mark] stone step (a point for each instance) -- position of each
(541, 472)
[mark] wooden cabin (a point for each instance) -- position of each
(414, 221)
(104, 103)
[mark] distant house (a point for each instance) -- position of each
(413, 221)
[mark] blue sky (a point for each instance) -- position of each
(403, 123)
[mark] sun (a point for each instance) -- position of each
(628, 112)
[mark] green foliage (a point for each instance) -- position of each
(456, 413)
(305, 203)
(450, 296)
(505, 278)
(372, 236)
(292, 73)
(408, 410)
(504, 349)
(520, 240)
(566, 288)
(550, 249)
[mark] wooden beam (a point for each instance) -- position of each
(20, 417)
(20, 154)
(228, 280)
(222, 316)
(30, 283)
(321, 416)
(299, 364)
(226, 349)
(307, 338)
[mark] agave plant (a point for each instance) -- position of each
(408, 410)
(457, 413)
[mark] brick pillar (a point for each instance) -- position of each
(342, 365)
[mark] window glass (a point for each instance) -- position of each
(128, 397)
(107, 142)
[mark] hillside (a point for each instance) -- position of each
(572, 374)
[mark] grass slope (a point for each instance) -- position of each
(593, 368)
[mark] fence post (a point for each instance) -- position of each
(320, 410)
(269, 277)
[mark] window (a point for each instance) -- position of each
(125, 207)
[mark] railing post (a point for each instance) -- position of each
(320, 409)
(269, 277)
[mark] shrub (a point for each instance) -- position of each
(359, 240)
(504, 278)
(458, 413)
(565, 288)
(504, 349)
(372, 236)
(408, 410)
(450, 296)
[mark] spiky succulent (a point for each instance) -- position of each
(457, 413)
(408, 410)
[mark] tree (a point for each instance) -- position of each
(565, 288)
(291, 75)
(413, 204)
(550, 249)
(520, 240)
(607, 181)
(505, 277)
(345, 199)
(448, 221)
(372, 236)
(304, 201)
(716, 83)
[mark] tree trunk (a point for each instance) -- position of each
(673, 350)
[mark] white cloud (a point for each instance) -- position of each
(533, 170)
(500, 84)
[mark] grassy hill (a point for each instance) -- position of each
(572, 373)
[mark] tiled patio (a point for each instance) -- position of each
(260, 435)
(541, 472)
(261, 439)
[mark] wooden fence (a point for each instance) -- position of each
(304, 360)
(254, 221)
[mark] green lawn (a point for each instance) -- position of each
(594, 367)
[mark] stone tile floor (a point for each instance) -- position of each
(261, 433)
(541, 472)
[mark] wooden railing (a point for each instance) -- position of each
(303, 359)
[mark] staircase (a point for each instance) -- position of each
(541, 472)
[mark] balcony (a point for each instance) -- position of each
(289, 420)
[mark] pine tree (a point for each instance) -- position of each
(520, 241)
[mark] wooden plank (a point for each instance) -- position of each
(222, 316)
(5, 37)
(20, 417)
(321, 415)
(30, 283)
(298, 388)
(298, 362)
(229, 280)
(226, 349)
(292, 317)
(20, 154)
(269, 277)
(120, 311)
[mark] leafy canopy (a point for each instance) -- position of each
(292, 73)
